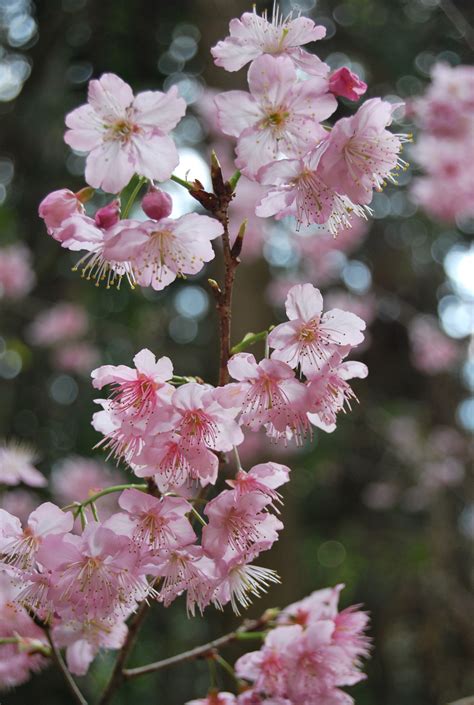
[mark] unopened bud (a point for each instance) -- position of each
(109, 215)
(157, 204)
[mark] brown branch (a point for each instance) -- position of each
(203, 651)
(117, 675)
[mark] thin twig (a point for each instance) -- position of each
(203, 651)
(58, 659)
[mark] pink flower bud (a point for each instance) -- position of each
(157, 204)
(109, 215)
(347, 84)
(57, 206)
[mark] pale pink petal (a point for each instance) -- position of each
(110, 96)
(154, 156)
(343, 327)
(236, 111)
(161, 110)
(109, 167)
(86, 129)
(304, 302)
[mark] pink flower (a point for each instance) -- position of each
(137, 389)
(137, 395)
(279, 116)
(200, 420)
(59, 323)
(263, 478)
(153, 523)
(360, 153)
(299, 188)
(157, 204)
(347, 84)
(125, 135)
(162, 250)
(329, 391)
(321, 604)
(253, 36)
(173, 463)
(269, 395)
(238, 522)
(310, 337)
(57, 206)
(267, 669)
(185, 569)
(98, 237)
(17, 277)
(17, 466)
(20, 546)
(96, 575)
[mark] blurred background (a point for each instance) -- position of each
(385, 504)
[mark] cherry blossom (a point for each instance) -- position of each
(238, 522)
(162, 250)
(310, 337)
(329, 392)
(360, 153)
(57, 206)
(268, 394)
(123, 134)
(253, 36)
(279, 116)
(298, 188)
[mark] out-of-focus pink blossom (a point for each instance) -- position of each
(280, 116)
(444, 147)
(20, 503)
(17, 277)
(18, 660)
(78, 357)
(432, 351)
(60, 323)
(75, 479)
(17, 465)
(125, 135)
(83, 640)
(253, 36)
(345, 83)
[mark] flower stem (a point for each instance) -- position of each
(142, 180)
(181, 182)
(77, 506)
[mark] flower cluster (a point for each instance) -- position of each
(311, 171)
(444, 147)
(313, 650)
